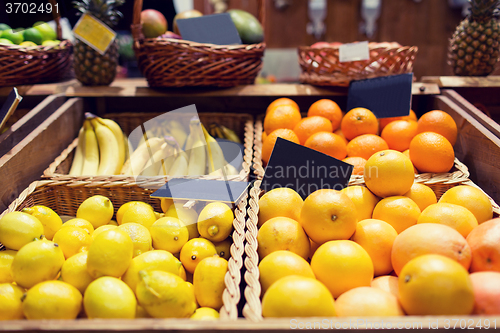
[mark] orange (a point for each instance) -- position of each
(283, 116)
(281, 201)
(264, 136)
(358, 163)
(342, 265)
(384, 121)
(398, 134)
(328, 109)
(314, 247)
(389, 172)
(431, 152)
(280, 102)
(455, 216)
(471, 198)
(340, 133)
(328, 143)
(435, 285)
(430, 238)
(367, 301)
(359, 121)
(440, 122)
(310, 125)
(399, 211)
(407, 154)
(376, 237)
(280, 264)
(486, 287)
(282, 233)
(365, 146)
(388, 283)
(363, 199)
(423, 195)
(483, 242)
(268, 145)
(328, 215)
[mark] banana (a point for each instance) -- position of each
(128, 147)
(198, 152)
(177, 130)
(154, 164)
(77, 165)
(118, 133)
(180, 166)
(168, 162)
(108, 149)
(215, 154)
(230, 170)
(91, 160)
(141, 156)
(229, 134)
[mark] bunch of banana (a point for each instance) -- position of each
(222, 132)
(101, 149)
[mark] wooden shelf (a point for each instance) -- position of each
(491, 81)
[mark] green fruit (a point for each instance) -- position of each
(5, 41)
(51, 42)
(15, 37)
(249, 28)
(4, 26)
(46, 30)
(33, 35)
(27, 44)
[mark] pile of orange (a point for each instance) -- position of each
(357, 135)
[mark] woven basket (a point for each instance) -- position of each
(321, 66)
(65, 197)
(253, 306)
(167, 62)
(241, 123)
(29, 65)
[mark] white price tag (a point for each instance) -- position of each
(354, 52)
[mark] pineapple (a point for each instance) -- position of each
(474, 47)
(92, 68)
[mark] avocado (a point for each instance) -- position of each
(249, 28)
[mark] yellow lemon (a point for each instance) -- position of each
(72, 240)
(280, 202)
(101, 229)
(18, 229)
(165, 295)
(109, 297)
(188, 216)
(98, 210)
(282, 233)
(141, 312)
(363, 199)
(52, 300)
(205, 314)
(11, 306)
(80, 223)
(74, 272)
(158, 260)
(113, 222)
(142, 214)
(140, 237)
(297, 296)
(126, 206)
(194, 251)
(110, 254)
(215, 221)
(208, 281)
(36, 262)
(50, 220)
(6, 258)
(169, 234)
(182, 272)
(166, 203)
(223, 248)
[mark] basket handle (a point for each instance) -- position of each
(57, 18)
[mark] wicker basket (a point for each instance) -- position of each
(65, 197)
(321, 66)
(36, 64)
(167, 62)
(242, 124)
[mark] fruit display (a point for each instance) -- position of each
(142, 264)
(40, 33)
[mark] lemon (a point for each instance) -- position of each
(182, 272)
(52, 300)
(6, 258)
(141, 214)
(72, 240)
(27, 44)
(215, 221)
(169, 234)
(45, 30)
(208, 281)
(113, 222)
(158, 215)
(74, 272)
(51, 42)
(80, 223)
(194, 251)
(101, 229)
(18, 229)
(36, 262)
(205, 314)
(166, 203)
(110, 254)
(153, 260)
(140, 312)
(123, 208)
(188, 216)
(50, 220)
(141, 238)
(33, 35)
(109, 297)
(11, 306)
(98, 210)
(165, 295)
(223, 248)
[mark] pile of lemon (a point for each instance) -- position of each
(144, 264)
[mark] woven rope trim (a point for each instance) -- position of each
(257, 148)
